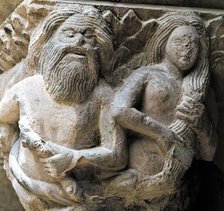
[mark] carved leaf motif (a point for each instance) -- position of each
(131, 23)
(130, 36)
(15, 33)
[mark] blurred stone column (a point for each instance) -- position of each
(6, 8)
(8, 199)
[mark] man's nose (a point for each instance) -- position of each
(78, 38)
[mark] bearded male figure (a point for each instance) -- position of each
(66, 133)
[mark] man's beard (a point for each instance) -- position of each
(69, 74)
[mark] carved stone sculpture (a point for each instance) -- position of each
(74, 138)
(68, 74)
(164, 146)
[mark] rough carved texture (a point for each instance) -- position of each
(7, 8)
(106, 112)
(8, 198)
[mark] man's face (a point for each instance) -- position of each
(77, 32)
(70, 58)
(182, 47)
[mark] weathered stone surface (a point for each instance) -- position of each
(106, 107)
(6, 8)
(8, 199)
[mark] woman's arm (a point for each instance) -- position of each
(124, 111)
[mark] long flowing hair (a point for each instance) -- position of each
(196, 82)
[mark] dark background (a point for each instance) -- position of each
(218, 4)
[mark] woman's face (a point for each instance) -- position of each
(182, 47)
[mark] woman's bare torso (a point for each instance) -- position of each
(159, 100)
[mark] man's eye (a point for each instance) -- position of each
(70, 33)
(88, 34)
(178, 42)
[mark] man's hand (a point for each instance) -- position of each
(38, 145)
(31, 140)
(57, 165)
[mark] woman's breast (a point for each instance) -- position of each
(160, 100)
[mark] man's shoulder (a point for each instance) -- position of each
(30, 82)
(103, 91)
(26, 85)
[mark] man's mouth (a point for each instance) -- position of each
(76, 56)
(80, 56)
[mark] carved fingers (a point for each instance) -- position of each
(190, 110)
(43, 150)
(57, 165)
(39, 146)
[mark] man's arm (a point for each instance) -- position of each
(110, 155)
(9, 107)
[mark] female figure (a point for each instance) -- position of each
(162, 104)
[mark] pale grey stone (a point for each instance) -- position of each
(103, 111)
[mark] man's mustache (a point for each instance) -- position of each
(55, 52)
(69, 49)
(60, 51)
